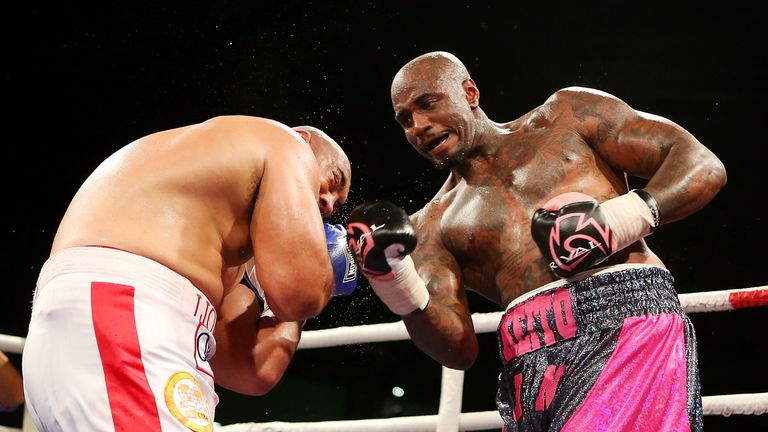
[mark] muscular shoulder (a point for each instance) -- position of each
(583, 102)
(585, 110)
(258, 129)
(432, 211)
(580, 95)
(264, 137)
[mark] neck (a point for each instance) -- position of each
(490, 138)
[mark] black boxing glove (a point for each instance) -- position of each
(575, 233)
(377, 231)
(380, 236)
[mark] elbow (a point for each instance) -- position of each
(300, 308)
(459, 353)
(464, 358)
(11, 405)
(263, 377)
(268, 370)
(711, 172)
(298, 298)
(258, 386)
(719, 175)
(463, 363)
(263, 383)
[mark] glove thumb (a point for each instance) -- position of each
(394, 255)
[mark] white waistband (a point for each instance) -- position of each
(115, 263)
(575, 278)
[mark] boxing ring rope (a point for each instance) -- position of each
(449, 417)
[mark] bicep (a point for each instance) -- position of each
(629, 140)
(286, 210)
(642, 143)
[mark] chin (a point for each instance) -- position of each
(450, 161)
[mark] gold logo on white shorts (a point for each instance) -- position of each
(185, 400)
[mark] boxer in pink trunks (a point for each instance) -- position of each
(139, 309)
(610, 352)
(537, 215)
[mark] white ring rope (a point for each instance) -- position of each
(450, 418)
(711, 301)
(750, 403)
(11, 344)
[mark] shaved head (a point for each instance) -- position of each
(318, 137)
(335, 168)
(437, 104)
(439, 69)
(323, 146)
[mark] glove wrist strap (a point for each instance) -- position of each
(653, 206)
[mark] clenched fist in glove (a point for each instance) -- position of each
(575, 233)
(381, 236)
(344, 266)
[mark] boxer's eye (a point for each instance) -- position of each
(404, 119)
(335, 179)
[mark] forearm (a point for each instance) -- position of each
(431, 301)
(683, 175)
(276, 343)
(437, 318)
(255, 367)
(253, 349)
(445, 333)
(687, 180)
(11, 388)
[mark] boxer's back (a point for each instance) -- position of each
(183, 197)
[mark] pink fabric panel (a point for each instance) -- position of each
(643, 386)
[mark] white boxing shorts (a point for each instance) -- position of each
(118, 342)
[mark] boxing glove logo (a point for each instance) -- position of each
(361, 242)
(570, 250)
(373, 230)
(574, 238)
(351, 273)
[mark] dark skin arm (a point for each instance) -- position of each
(683, 175)
(444, 330)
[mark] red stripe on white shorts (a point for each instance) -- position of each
(130, 398)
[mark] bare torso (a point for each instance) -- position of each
(483, 220)
(182, 197)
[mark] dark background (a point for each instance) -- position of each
(81, 79)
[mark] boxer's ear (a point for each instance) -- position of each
(304, 134)
(471, 92)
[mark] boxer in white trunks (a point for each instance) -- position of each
(138, 311)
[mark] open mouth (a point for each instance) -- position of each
(432, 143)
